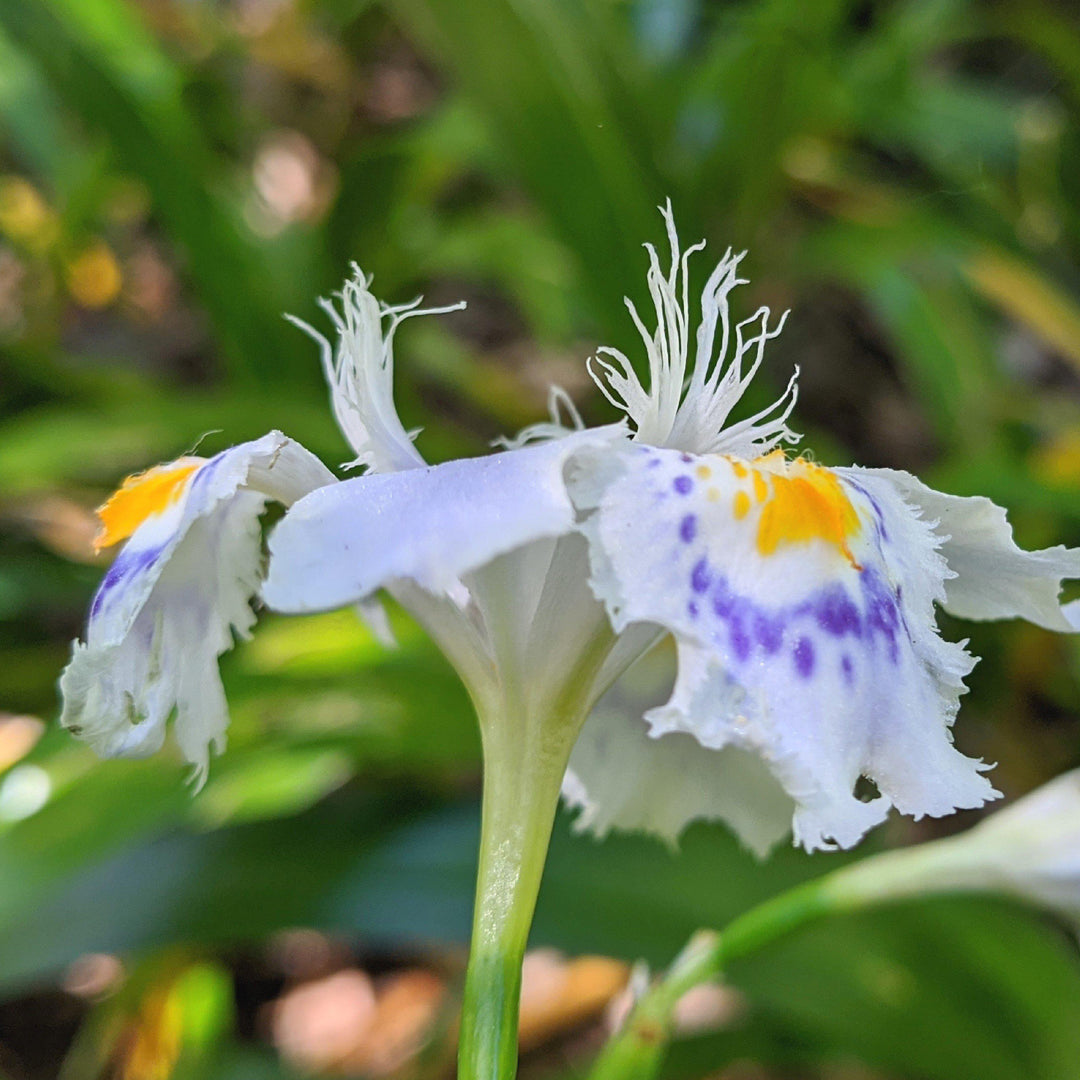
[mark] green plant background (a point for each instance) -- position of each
(905, 176)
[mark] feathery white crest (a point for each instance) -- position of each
(688, 413)
(360, 373)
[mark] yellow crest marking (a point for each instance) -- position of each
(800, 502)
(141, 496)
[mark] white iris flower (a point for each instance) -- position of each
(801, 598)
(1029, 850)
(174, 596)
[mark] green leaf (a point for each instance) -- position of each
(579, 153)
(954, 989)
(101, 62)
(32, 116)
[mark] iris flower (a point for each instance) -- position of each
(801, 600)
(1030, 849)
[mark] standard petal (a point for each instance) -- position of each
(430, 526)
(172, 600)
(994, 579)
(685, 404)
(360, 374)
(803, 610)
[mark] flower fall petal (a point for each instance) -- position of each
(175, 595)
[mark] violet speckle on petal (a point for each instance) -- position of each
(804, 658)
(688, 528)
(683, 485)
(769, 631)
(700, 578)
(723, 600)
(207, 471)
(128, 564)
(882, 611)
(838, 615)
(740, 640)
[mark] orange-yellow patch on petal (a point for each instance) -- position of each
(808, 502)
(141, 496)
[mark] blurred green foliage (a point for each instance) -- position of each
(175, 174)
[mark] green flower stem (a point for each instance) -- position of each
(527, 738)
(521, 792)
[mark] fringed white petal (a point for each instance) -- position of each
(802, 604)
(171, 602)
(687, 409)
(994, 579)
(360, 373)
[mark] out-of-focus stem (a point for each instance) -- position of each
(955, 864)
(637, 1051)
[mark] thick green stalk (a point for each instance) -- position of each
(521, 792)
(530, 717)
